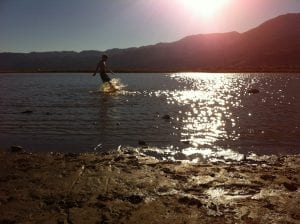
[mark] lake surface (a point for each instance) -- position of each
(211, 115)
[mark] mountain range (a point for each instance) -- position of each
(272, 46)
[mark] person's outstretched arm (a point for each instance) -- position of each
(111, 71)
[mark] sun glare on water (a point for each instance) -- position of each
(204, 8)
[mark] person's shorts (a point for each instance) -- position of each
(104, 77)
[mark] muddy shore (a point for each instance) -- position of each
(127, 187)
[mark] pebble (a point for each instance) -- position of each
(290, 186)
(142, 143)
(253, 91)
(190, 201)
(187, 142)
(27, 112)
(16, 148)
(166, 117)
(268, 177)
(135, 199)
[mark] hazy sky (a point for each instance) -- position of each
(49, 25)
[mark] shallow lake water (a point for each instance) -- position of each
(178, 115)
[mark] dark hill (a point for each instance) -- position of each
(272, 46)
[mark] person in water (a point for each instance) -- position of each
(102, 70)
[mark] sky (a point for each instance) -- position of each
(77, 25)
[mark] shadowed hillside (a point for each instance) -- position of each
(272, 46)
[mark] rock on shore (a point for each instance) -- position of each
(127, 187)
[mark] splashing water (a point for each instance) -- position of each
(112, 86)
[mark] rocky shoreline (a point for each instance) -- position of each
(129, 187)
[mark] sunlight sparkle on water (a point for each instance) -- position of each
(206, 112)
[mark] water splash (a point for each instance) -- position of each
(112, 86)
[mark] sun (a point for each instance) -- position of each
(204, 8)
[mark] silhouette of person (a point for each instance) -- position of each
(101, 66)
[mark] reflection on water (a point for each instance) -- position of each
(217, 117)
(204, 114)
(209, 116)
(207, 111)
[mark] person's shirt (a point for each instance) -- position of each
(102, 66)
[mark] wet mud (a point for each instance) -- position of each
(128, 187)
